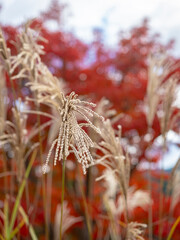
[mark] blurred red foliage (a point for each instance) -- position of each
(120, 75)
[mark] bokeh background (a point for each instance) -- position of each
(101, 49)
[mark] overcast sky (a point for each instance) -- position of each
(82, 16)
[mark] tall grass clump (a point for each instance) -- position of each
(73, 131)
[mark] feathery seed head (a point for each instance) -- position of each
(71, 134)
(135, 230)
(68, 220)
(114, 157)
(159, 69)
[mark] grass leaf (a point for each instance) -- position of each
(21, 189)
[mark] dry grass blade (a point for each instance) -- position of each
(3, 98)
(4, 52)
(29, 52)
(113, 156)
(18, 139)
(135, 198)
(167, 105)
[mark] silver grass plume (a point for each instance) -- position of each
(15, 134)
(47, 90)
(135, 230)
(113, 156)
(38, 73)
(68, 220)
(104, 108)
(47, 87)
(18, 137)
(159, 68)
(29, 52)
(28, 59)
(167, 105)
(71, 134)
(29, 65)
(117, 165)
(135, 198)
(111, 184)
(5, 53)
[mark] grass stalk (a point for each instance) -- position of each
(150, 230)
(5, 170)
(49, 191)
(161, 195)
(88, 222)
(62, 195)
(16, 230)
(173, 228)
(43, 179)
(150, 210)
(6, 218)
(126, 216)
(113, 232)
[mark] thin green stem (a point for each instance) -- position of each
(16, 230)
(62, 195)
(21, 190)
(88, 222)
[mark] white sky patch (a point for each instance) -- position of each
(17, 11)
(170, 157)
(111, 15)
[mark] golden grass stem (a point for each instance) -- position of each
(173, 228)
(126, 216)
